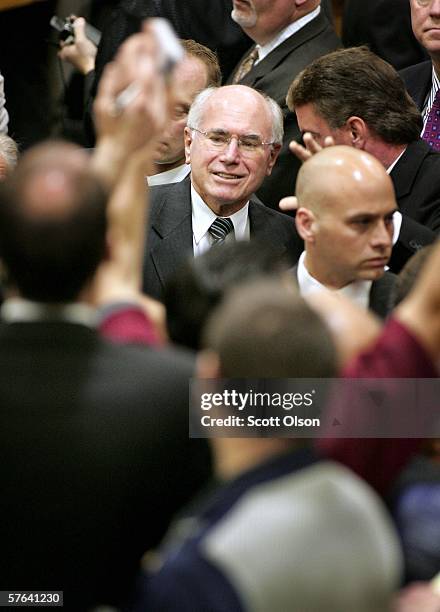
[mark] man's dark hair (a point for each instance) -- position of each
(265, 329)
(200, 284)
(51, 251)
(356, 82)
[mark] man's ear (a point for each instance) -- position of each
(274, 152)
(357, 132)
(187, 136)
(306, 224)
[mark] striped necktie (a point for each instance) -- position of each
(431, 133)
(246, 65)
(220, 228)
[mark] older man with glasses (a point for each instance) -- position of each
(232, 141)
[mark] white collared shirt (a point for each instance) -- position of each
(397, 217)
(19, 310)
(357, 291)
(203, 217)
(430, 98)
(291, 29)
(175, 175)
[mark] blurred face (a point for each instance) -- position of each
(263, 19)
(310, 121)
(425, 16)
(352, 233)
(225, 179)
(191, 78)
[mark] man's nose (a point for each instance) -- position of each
(383, 234)
(231, 152)
(434, 8)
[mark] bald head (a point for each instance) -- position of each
(346, 203)
(54, 210)
(337, 175)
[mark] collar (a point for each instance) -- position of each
(15, 310)
(435, 86)
(291, 29)
(357, 291)
(203, 217)
(390, 168)
(175, 175)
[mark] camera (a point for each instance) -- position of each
(66, 33)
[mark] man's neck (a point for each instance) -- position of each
(321, 273)
(384, 152)
(221, 209)
(234, 456)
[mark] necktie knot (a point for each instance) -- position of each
(220, 228)
(431, 133)
(246, 66)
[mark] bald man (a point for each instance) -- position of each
(345, 213)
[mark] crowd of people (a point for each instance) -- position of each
(275, 220)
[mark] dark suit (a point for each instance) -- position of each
(385, 26)
(418, 81)
(416, 179)
(274, 75)
(380, 293)
(170, 236)
(89, 437)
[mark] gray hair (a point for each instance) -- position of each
(9, 151)
(196, 112)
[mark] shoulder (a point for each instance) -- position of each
(173, 193)
(417, 72)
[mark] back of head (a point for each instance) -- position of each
(266, 330)
(201, 283)
(52, 223)
(207, 57)
(341, 173)
(356, 82)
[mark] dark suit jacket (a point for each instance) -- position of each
(416, 179)
(89, 436)
(274, 75)
(418, 81)
(170, 238)
(380, 294)
(385, 26)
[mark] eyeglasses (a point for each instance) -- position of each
(219, 140)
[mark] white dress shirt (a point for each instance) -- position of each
(430, 98)
(397, 217)
(175, 175)
(203, 217)
(19, 310)
(357, 291)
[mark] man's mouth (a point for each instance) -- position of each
(228, 176)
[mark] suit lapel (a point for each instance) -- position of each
(263, 228)
(275, 57)
(173, 223)
(405, 171)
